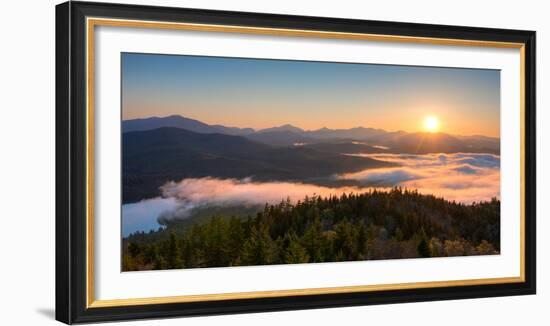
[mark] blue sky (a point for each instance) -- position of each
(262, 93)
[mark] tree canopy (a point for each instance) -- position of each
(368, 226)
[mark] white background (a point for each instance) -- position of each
(27, 162)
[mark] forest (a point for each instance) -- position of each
(374, 225)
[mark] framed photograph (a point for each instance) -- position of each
(215, 162)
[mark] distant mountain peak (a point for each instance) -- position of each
(178, 121)
(288, 134)
(285, 127)
(178, 117)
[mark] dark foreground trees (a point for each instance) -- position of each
(374, 225)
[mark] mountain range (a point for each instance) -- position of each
(157, 150)
(359, 138)
(178, 121)
(153, 157)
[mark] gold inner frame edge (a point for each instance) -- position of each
(92, 22)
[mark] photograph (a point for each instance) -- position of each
(213, 161)
(230, 161)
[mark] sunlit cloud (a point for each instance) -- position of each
(381, 147)
(181, 199)
(202, 191)
(463, 177)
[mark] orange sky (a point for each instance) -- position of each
(310, 95)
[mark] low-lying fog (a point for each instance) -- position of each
(461, 177)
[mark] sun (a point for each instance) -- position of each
(431, 123)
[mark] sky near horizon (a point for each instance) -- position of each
(262, 93)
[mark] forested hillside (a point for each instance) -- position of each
(369, 226)
(153, 157)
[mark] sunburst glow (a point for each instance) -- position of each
(431, 124)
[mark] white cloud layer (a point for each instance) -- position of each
(204, 191)
(462, 177)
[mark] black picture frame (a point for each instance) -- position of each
(71, 157)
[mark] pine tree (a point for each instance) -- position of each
(362, 239)
(235, 242)
(313, 240)
(295, 253)
(401, 223)
(259, 248)
(133, 249)
(344, 242)
(216, 240)
(174, 259)
(159, 263)
(423, 248)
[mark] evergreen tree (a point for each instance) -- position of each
(313, 240)
(259, 248)
(174, 259)
(344, 243)
(423, 248)
(295, 253)
(133, 249)
(401, 223)
(235, 242)
(362, 239)
(159, 263)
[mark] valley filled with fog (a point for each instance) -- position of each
(177, 168)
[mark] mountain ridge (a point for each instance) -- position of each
(178, 121)
(153, 157)
(284, 127)
(288, 135)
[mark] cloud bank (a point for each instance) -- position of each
(181, 199)
(464, 177)
(197, 192)
(461, 177)
(142, 216)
